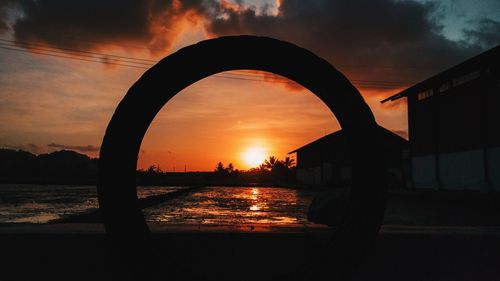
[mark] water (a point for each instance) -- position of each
(235, 205)
(210, 205)
(28, 203)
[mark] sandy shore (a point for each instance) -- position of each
(82, 252)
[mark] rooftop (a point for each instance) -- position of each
(338, 135)
(472, 64)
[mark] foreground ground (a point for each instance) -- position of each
(82, 252)
(426, 236)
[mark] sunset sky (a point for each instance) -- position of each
(65, 100)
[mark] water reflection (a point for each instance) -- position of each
(30, 203)
(210, 205)
(235, 205)
(256, 206)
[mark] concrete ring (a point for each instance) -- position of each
(120, 147)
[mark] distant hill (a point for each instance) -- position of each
(59, 166)
(70, 167)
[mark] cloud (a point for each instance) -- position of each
(30, 147)
(288, 84)
(5, 6)
(85, 148)
(37, 149)
(486, 32)
(370, 40)
(3, 27)
(94, 24)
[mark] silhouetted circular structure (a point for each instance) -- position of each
(124, 134)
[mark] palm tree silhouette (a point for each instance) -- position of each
(288, 162)
(271, 162)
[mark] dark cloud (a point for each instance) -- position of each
(371, 40)
(37, 149)
(5, 6)
(85, 149)
(3, 27)
(486, 32)
(92, 24)
(382, 40)
(30, 147)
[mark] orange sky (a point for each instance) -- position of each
(68, 103)
(214, 120)
(49, 103)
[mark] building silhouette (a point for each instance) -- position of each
(453, 124)
(326, 161)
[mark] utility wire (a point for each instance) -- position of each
(110, 59)
(53, 49)
(69, 57)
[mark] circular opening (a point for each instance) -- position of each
(121, 144)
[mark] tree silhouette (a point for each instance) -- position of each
(271, 162)
(230, 168)
(220, 168)
(262, 167)
(288, 162)
(153, 169)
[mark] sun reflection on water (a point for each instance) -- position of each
(256, 205)
(235, 206)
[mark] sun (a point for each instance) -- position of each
(254, 156)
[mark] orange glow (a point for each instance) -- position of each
(254, 156)
(230, 6)
(256, 204)
(218, 119)
(233, 121)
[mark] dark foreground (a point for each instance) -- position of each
(401, 253)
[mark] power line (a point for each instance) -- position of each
(274, 77)
(140, 60)
(69, 57)
(365, 83)
(74, 53)
(110, 59)
(53, 49)
(97, 42)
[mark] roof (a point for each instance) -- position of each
(475, 63)
(333, 135)
(339, 135)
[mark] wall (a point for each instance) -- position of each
(463, 170)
